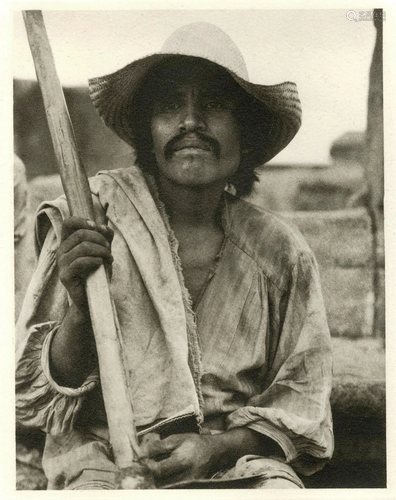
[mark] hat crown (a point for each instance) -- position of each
(209, 42)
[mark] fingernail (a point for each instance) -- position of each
(103, 227)
(91, 224)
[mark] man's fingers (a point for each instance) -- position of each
(105, 231)
(146, 440)
(156, 448)
(82, 268)
(168, 467)
(150, 437)
(71, 225)
(79, 263)
(82, 236)
(85, 249)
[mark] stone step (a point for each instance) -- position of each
(359, 416)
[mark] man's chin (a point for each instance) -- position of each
(194, 182)
(194, 171)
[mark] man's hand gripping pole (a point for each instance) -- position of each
(116, 397)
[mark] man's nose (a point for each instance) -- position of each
(192, 117)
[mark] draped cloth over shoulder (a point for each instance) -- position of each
(158, 336)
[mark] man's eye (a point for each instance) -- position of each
(167, 106)
(218, 103)
(215, 104)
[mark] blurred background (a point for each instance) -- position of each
(327, 55)
(328, 181)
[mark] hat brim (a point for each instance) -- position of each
(112, 95)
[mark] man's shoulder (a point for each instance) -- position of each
(114, 177)
(274, 243)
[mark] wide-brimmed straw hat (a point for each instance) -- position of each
(113, 94)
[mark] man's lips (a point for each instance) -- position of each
(191, 144)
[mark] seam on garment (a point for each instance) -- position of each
(236, 329)
(212, 272)
(258, 265)
(160, 425)
(283, 221)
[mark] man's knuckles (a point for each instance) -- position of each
(84, 235)
(90, 248)
(158, 448)
(77, 230)
(72, 224)
(79, 269)
(83, 266)
(66, 257)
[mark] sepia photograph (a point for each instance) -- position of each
(199, 258)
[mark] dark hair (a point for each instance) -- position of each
(250, 115)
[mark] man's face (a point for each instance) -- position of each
(196, 138)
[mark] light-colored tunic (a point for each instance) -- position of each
(255, 353)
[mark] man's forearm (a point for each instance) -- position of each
(72, 352)
(236, 443)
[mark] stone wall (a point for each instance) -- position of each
(342, 243)
(99, 147)
(309, 187)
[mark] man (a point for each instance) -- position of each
(224, 335)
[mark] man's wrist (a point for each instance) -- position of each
(72, 351)
(79, 314)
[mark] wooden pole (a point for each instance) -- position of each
(117, 402)
(374, 166)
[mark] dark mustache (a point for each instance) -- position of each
(212, 143)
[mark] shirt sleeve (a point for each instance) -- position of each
(294, 408)
(40, 401)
